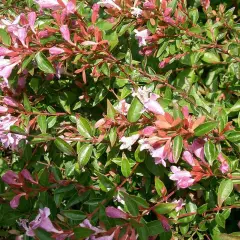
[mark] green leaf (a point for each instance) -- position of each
(210, 152)
(26, 103)
(140, 156)
(66, 99)
(43, 63)
(140, 201)
(5, 38)
(224, 190)
(34, 84)
(51, 121)
(110, 110)
(155, 227)
(233, 136)
(194, 15)
(64, 147)
(191, 208)
(74, 214)
(17, 130)
(134, 112)
(82, 233)
(128, 57)
(224, 236)
(205, 128)
(160, 187)
(235, 107)
(125, 167)
(84, 127)
(177, 148)
(42, 123)
(131, 204)
(42, 234)
(112, 38)
(220, 220)
(105, 69)
(101, 94)
(84, 154)
(164, 208)
(173, 5)
(26, 61)
(210, 57)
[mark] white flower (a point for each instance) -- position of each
(141, 36)
(136, 11)
(127, 142)
(180, 204)
(109, 4)
(122, 107)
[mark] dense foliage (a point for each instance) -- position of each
(119, 119)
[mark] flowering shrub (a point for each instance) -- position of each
(119, 119)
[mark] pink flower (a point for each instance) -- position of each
(188, 157)
(180, 204)
(183, 177)
(149, 5)
(169, 20)
(3, 109)
(41, 221)
(154, 107)
(109, 4)
(224, 167)
(113, 212)
(142, 36)
(51, 4)
(224, 164)
(148, 131)
(6, 67)
(43, 34)
(31, 20)
(21, 34)
(185, 111)
(10, 102)
(14, 203)
(11, 178)
(198, 148)
(122, 107)
(56, 50)
(127, 142)
(9, 139)
(26, 174)
(86, 224)
(4, 51)
(160, 154)
(70, 8)
(66, 33)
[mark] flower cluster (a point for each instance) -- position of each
(119, 119)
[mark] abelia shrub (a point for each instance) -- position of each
(119, 119)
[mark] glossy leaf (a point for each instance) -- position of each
(224, 190)
(43, 63)
(177, 148)
(84, 154)
(205, 128)
(134, 112)
(64, 147)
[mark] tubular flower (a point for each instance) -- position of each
(127, 142)
(41, 221)
(183, 177)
